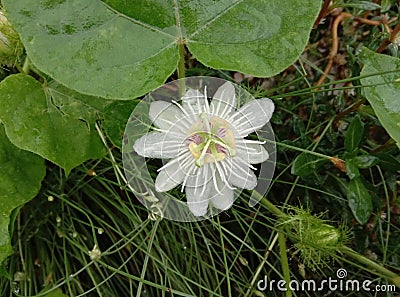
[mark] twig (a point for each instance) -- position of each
(324, 11)
(335, 41)
(391, 39)
(335, 46)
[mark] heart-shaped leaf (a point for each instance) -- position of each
(21, 173)
(382, 88)
(121, 49)
(50, 120)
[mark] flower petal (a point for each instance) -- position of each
(164, 114)
(224, 199)
(242, 176)
(198, 191)
(224, 100)
(170, 177)
(193, 101)
(158, 145)
(252, 116)
(252, 153)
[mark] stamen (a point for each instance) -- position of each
(200, 161)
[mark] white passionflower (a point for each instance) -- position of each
(205, 142)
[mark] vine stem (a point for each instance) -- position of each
(298, 149)
(379, 269)
(284, 262)
(181, 67)
(337, 162)
(26, 67)
(181, 63)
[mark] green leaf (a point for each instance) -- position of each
(121, 49)
(386, 4)
(306, 164)
(359, 200)
(260, 38)
(382, 89)
(365, 161)
(352, 169)
(364, 5)
(21, 173)
(51, 121)
(354, 134)
(389, 162)
(116, 116)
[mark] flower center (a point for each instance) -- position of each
(210, 140)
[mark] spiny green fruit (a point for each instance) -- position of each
(316, 241)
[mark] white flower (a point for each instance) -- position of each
(206, 144)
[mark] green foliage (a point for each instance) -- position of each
(116, 50)
(354, 134)
(382, 91)
(306, 164)
(49, 121)
(115, 116)
(21, 173)
(360, 201)
(364, 5)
